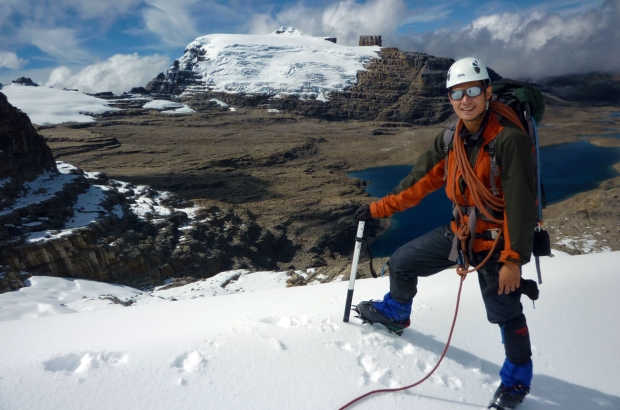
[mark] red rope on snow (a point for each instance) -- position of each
(456, 311)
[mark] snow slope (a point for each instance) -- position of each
(283, 62)
(289, 349)
(45, 105)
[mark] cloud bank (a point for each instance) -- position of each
(118, 74)
(581, 37)
(10, 60)
(346, 20)
(533, 45)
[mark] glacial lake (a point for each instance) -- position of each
(566, 170)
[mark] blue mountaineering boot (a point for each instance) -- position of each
(388, 312)
(508, 397)
(515, 385)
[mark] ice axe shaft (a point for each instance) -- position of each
(356, 258)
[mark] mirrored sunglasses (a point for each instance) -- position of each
(471, 92)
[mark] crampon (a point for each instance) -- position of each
(369, 314)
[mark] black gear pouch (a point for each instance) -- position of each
(542, 243)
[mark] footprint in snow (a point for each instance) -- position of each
(373, 372)
(275, 343)
(327, 325)
(83, 362)
(286, 321)
(190, 362)
(452, 382)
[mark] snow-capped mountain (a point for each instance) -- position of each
(283, 62)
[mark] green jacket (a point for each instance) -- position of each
(516, 184)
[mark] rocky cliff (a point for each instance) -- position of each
(57, 220)
(398, 86)
(23, 153)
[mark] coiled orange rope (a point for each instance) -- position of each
(483, 197)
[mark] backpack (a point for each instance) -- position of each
(527, 102)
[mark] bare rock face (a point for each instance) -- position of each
(23, 153)
(370, 41)
(399, 86)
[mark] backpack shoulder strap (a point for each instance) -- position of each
(448, 137)
(494, 171)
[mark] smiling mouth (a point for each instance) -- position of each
(467, 109)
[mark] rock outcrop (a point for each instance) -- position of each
(25, 81)
(59, 221)
(366, 41)
(23, 153)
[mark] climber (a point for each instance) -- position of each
(492, 228)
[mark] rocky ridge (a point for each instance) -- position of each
(57, 220)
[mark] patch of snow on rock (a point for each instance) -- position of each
(584, 243)
(162, 104)
(44, 187)
(170, 107)
(218, 102)
(183, 110)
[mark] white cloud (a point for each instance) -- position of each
(9, 59)
(172, 22)
(533, 44)
(62, 42)
(346, 20)
(429, 14)
(118, 74)
(60, 27)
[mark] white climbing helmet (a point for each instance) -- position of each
(465, 70)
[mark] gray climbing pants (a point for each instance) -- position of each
(428, 255)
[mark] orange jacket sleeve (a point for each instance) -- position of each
(426, 176)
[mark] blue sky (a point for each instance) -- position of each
(65, 38)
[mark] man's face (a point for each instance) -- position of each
(470, 108)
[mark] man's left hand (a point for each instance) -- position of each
(509, 278)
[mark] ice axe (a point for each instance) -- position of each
(356, 258)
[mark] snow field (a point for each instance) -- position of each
(275, 64)
(288, 348)
(45, 105)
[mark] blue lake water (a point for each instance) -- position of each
(566, 170)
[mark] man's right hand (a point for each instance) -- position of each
(363, 213)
